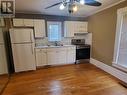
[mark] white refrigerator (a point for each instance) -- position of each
(22, 42)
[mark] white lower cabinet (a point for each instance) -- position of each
(71, 54)
(62, 57)
(52, 58)
(41, 57)
(55, 56)
(71, 57)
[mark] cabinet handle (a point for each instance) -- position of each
(32, 49)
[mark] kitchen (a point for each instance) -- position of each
(45, 50)
(58, 54)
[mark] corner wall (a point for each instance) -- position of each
(103, 27)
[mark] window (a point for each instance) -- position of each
(120, 53)
(54, 31)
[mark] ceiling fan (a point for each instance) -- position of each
(71, 4)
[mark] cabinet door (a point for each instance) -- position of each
(71, 55)
(41, 57)
(39, 28)
(38, 57)
(52, 58)
(24, 57)
(69, 29)
(28, 22)
(82, 27)
(62, 57)
(18, 22)
(44, 57)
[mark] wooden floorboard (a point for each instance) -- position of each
(81, 79)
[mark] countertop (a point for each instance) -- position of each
(39, 47)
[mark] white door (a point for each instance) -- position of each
(3, 60)
(41, 57)
(21, 35)
(24, 57)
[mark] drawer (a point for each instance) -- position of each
(39, 50)
(57, 49)
(72, 48)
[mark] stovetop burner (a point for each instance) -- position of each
(80, 43)
(82, 46)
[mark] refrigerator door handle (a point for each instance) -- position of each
(32, 48)
(30, 37)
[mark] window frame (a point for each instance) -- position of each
(120, 14)
(60, 29)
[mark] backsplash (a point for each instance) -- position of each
(64, 41)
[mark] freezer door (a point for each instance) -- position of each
(21, 35)
(24, 57)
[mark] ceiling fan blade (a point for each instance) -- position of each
(53, 5)
(92, 3)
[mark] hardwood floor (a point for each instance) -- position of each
(3, 81)
(81, 79)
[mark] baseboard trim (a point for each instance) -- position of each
(109, 69)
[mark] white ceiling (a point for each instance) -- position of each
(38, 7)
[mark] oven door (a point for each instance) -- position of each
(83, 53)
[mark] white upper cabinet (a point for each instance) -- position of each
(18, 22)
(39, 28)
(23, 22)
(28, 22)
(72, 27)
(81, 27)
(69, 29)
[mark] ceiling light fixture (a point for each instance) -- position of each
(75, 8)
(71, 4)
(82, 2)
(62, 7)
